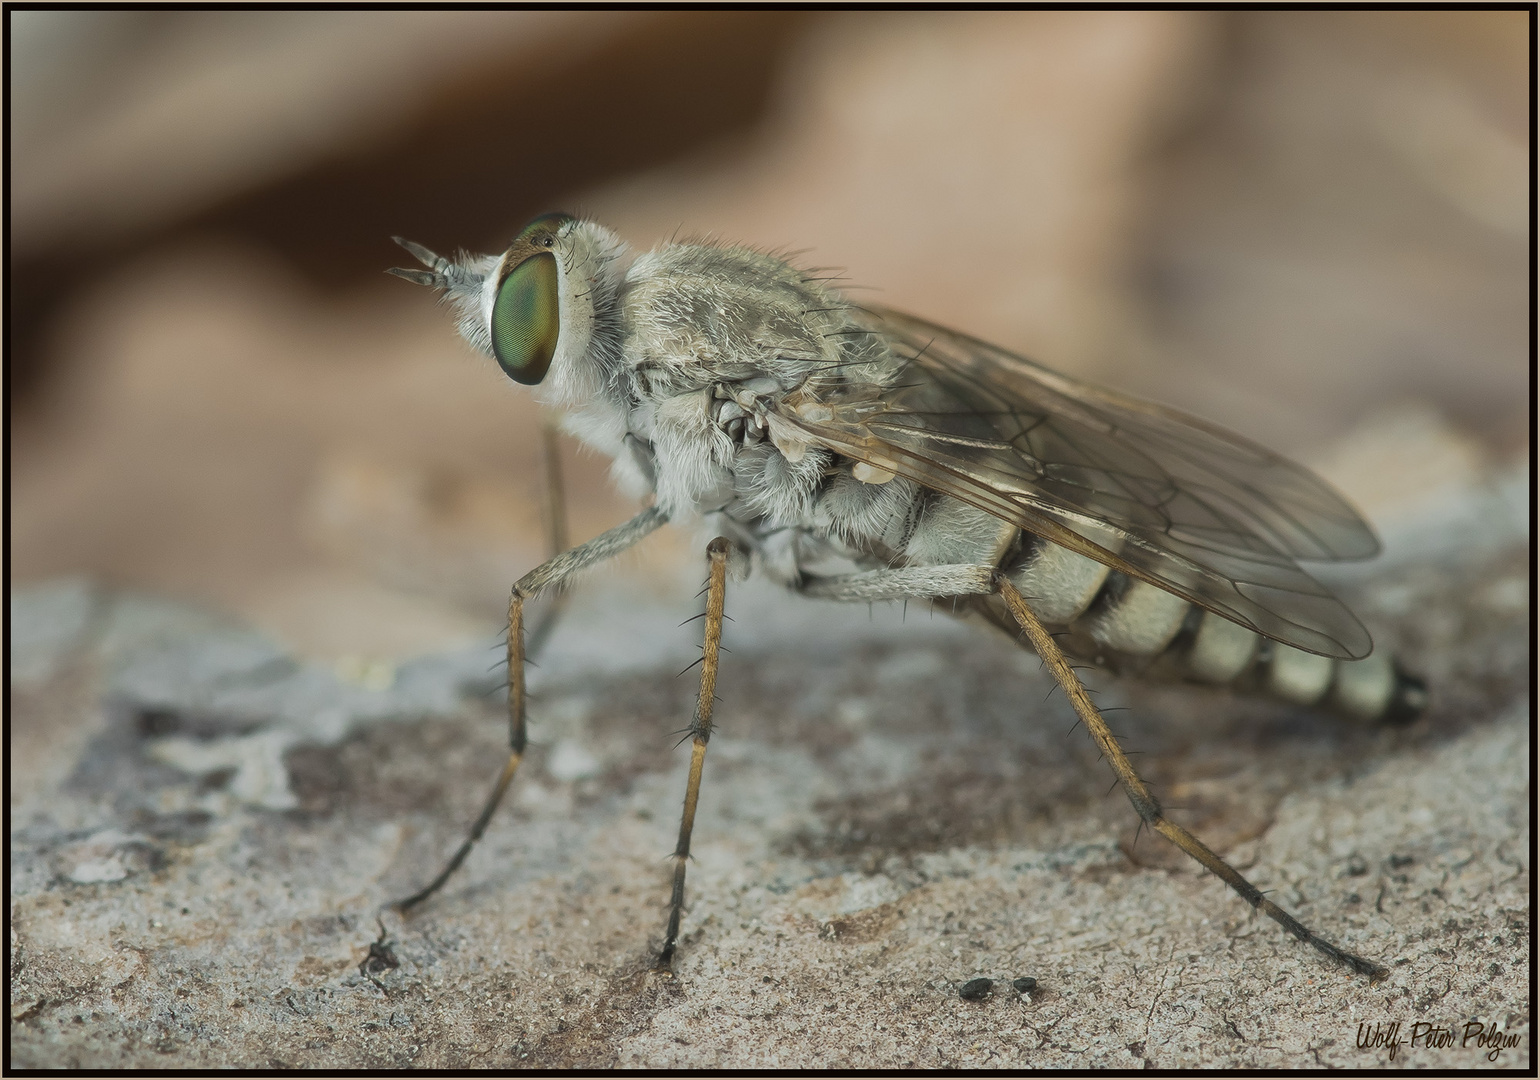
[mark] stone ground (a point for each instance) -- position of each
(204, 828)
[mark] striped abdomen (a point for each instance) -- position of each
(1129, 625)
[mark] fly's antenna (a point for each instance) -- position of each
(442, 273)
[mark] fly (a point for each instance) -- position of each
(856, 453)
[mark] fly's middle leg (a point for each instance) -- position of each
(551, 574)
(700, 733)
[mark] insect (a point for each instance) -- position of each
(856, 453)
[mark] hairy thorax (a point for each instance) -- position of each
(706, 360)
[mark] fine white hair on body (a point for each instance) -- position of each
(470, 293)
(1060, 583)
(703, 320)
(693, 455)
(771, 486)
(587, 362)
(857, 512)
(949, 531)
(731, 313)
(1141, 621)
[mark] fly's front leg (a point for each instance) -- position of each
(555, 531)
(1144, 802)
(550, 574)
(700, 733)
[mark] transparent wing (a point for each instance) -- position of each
(1156, 494)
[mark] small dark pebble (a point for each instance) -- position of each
(1024, 985)
(380, 959)
(975, 989)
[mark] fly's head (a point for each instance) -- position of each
(547, 309)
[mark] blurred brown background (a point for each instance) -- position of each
(1290, 223)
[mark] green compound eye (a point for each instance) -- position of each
(526, 319)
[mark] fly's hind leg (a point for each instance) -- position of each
(904, 583)
(700, 733)
(1144, 802)
(962, 580)
(551, 574)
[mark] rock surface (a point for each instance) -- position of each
(205, 827)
